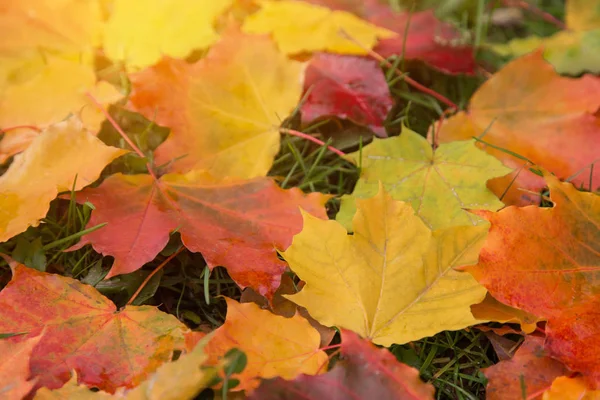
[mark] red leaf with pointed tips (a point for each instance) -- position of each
(347, 87)
(236, 224)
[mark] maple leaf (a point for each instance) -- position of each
(527, 372)
(84, 331)
(420, 35)
(346, 87)
(527, 108)
(36, 176)
(364, 372)
(289, 21)
(279, 305)
(181, 379)
(155, 34)
(565, 388)
(451, 178)
(393, 280)
(287, 346)
(46, 59)
(235, 224)
(555, 277)
(225, 110)
(571, 51)
(491, 309)
(14, 368)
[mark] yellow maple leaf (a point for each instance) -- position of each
(139, 33)
(393, 281)
(287, 347)
(36, 176)
(302, 27)
(225, 110)
(440, 184)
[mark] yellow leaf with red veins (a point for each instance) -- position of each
(225, 110)
(36, 176)
(300, 27)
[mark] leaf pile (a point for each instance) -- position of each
(165, 136)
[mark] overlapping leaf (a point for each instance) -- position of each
(559, 265)
(85, 332)
(14, 368)
(36, 176)
(364, 372)
(235, 224)
(440, 184)
(225, 110)
(155, 33)
(346, 87)
(529, 371)
(393, 280)
(491, 309)
(531, 111)
(565, 388)
(287, 347)
(571, 51)
(289, 20)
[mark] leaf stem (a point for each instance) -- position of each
(312, 139)
(161, 266)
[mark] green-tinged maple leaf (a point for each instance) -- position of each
(545, 261)
(571, 51)
(172, 28)
(289, 21)
(393, 280)
(237, 224)
(84, 331)
(530, 110)
(364, 372)
(225, 110)
(36, 176)
(440, 184)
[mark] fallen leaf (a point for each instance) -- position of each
(347, 87)
(284, 307)
(530, 110)
(565, 388)
(364, 372)
(393, 280)
(85, 332)
(571, 51)
(181, 379)
(289, 21)
(555, 277)
(36, 176)
(225, 110)
(440, 184)
(235, 224)
(162, 28)
(503, 347)
(420, 35)
(58, 88)
(529, 371)
(14, 368)
(287, 346)
(491, 309)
